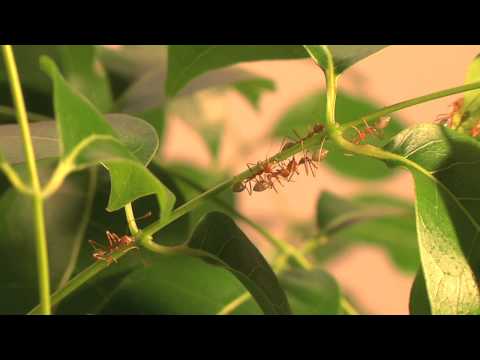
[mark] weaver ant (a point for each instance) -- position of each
(446, 119)
(475, 131)
(115, 244)
(376, 130)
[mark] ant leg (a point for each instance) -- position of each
(96, 245)
(271, 184)
(148, 214)
(303, 151)
(250, 190)
(111, 239)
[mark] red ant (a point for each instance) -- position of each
(376, 130)
(115, 244)
(475, 131)
(446, 119)
(317, 156)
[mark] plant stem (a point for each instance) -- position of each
(132, 224)
(412, 102)
(41, 239)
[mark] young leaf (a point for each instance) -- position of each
(86, 74)
(86, 139)
(218, 238)
(344, 56)
(311, 109)
(185, 62)
(137, 135)
(379, 220)
(444, 165)
(311, 292)
(253, 89)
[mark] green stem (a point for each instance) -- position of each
(32, 117)
(412, 102)
(41, 239)
(132, 224)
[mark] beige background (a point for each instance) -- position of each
(392, 75)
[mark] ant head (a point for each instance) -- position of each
(318, 128)
(287, 145)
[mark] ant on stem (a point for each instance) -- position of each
(475, 131)
(447, 119)
(376, 130)
(115, 244)
(270, 170)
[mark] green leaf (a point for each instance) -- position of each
(344, 56)
(253, 89)
(176, 285)
(444, 165)
(66, 215)
(220, 239)
(87, 138)
(137, 135)
(186, 62)
(311, 292)
(86, 74)
(311, 109)
(373, 219)
(419, 304)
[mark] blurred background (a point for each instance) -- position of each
(366, 273)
